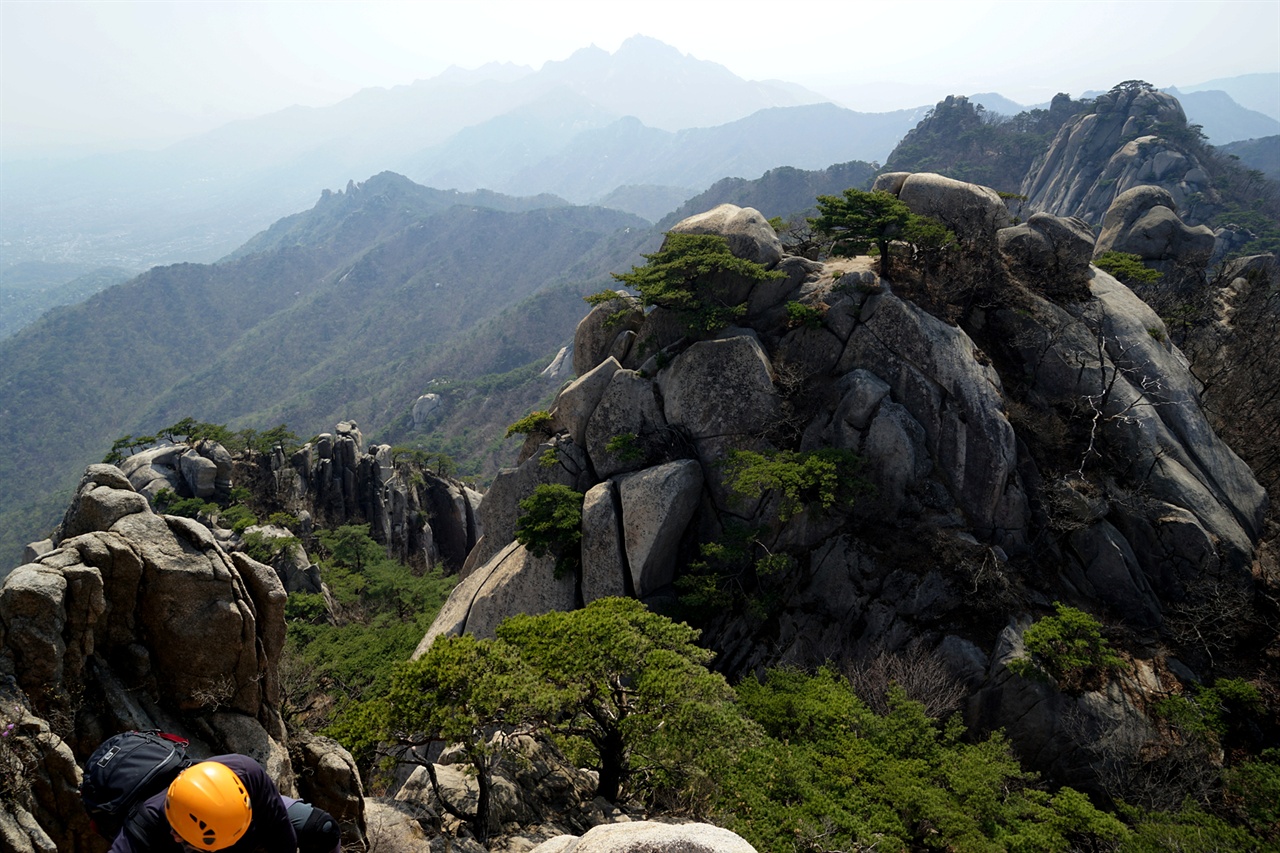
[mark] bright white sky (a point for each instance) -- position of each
(117, 72)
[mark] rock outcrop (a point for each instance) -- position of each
(1143, 221)
(134, 620)
(1128, 140)
(1049, 446)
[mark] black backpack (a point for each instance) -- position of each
(125, 771)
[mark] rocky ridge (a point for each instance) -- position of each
(1048, 446)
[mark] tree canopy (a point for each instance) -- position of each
(857, 220)
(688, 275)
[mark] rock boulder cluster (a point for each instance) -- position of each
(1048, 447)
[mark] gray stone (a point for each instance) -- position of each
(1142, 222)
(934, 373)
(970, 211)
(199, 474)
(897, 458)
(628, 406)
(748, 233)
(426, 409)
(1054, 247)
(890, 182)
(603, 566)
(651, 837)
(657, 504)
(720, 387)
(597, 332)
(103, 497)
(500, 509)
(576, 403)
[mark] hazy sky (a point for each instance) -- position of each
(100, 72)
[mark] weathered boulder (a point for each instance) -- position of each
(1142, 222)
(972, 212)
(513, 581)
(748, 233)
(576, 403)
(651, 837)
(1055, 249)
(933, 372)
(657, 504)
(720, 387)
(628, 406)
(890, 182)
(329, 779)
(598, 332)
(604, 572)
(103, 497)
(426, 409)
(501, 506)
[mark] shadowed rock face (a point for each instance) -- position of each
(1049, 447)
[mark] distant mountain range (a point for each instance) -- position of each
(352, 309)
(640, 129)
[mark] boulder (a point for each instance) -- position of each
(604, 572)
(596, 334)
(890, 182)
(199, 474)
(328, 778)
(103, 497)
(657, 504)
(748, 233)
(576, 403)
(651, 837)
(720, 387)
(628, 406)
(933, 371)
(1142, 222)
(1056, 248)
(513, 581)
(972, 212)
(426, 409)
(500, 508)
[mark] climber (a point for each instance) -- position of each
(227, 803)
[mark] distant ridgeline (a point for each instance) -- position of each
(375, 297)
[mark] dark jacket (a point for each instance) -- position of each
(269, 831)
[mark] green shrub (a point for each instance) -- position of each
(287, 520)
(688, 276)
(167, 502)
(1126, 267)
(1210, 711)
(533, 423)
(833, 775)
(305, 607)
(1068, 648)
(626, 447)
(267, 549)
(238, 516)
(1253, 792)
(799, 314)
(734, 570)
(551, 523)
(824, 477)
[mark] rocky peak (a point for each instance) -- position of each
(1133, 135)
(1045, 446)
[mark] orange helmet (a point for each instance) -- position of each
(208, 806)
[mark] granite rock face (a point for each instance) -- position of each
(1098, 156)
(1000, 455)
